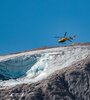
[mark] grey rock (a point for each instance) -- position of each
(71, 83)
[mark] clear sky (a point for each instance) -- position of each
(28, 24)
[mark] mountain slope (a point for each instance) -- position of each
(70, 83)
(33, 66)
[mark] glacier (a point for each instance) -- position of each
(32, 66)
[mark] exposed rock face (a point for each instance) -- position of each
(71, 83)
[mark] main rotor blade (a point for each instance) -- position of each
(73, 37)
(65, 34)
(70, 40)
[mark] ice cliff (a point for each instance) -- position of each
(33, 66)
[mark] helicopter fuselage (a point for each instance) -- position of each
(63, 39)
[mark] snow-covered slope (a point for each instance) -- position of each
(33, 66)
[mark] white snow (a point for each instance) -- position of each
(33, 66)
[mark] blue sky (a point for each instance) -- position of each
(28, 24)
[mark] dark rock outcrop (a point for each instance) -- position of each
(71, 83)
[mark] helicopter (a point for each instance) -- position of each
(64, 38)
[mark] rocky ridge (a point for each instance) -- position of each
(71, 83)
